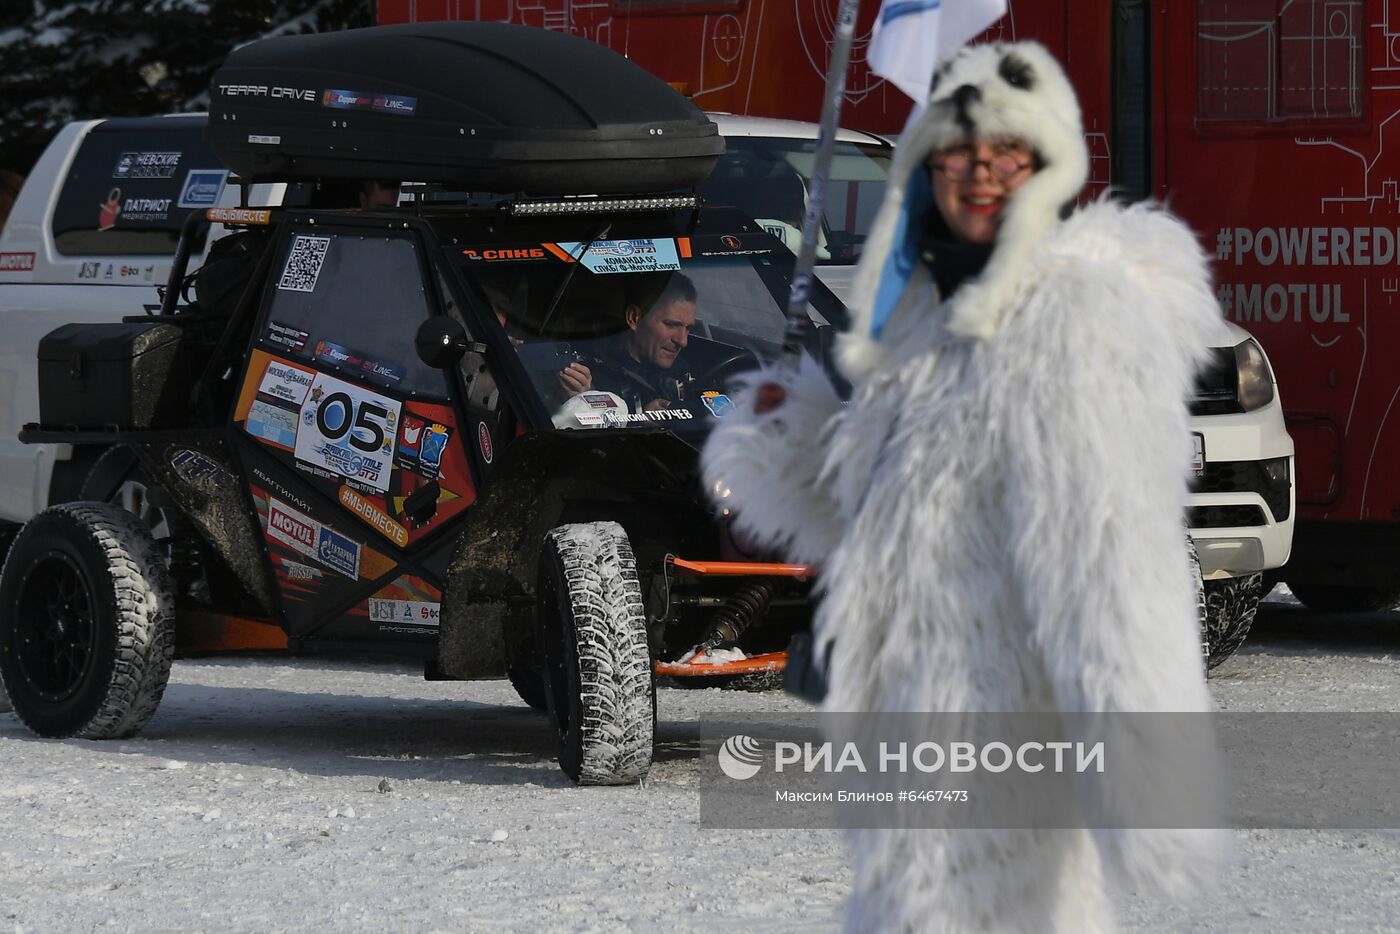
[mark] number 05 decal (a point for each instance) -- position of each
(348, 430)
(367, 433)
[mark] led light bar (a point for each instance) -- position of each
(603, 205)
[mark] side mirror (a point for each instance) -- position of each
(441, 342)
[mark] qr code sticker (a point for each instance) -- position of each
(304, 264)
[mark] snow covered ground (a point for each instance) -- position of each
(280, 794)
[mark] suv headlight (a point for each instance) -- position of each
(1256, 384)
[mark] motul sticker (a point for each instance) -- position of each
(16, 262)
(291, 528)
(483, 438)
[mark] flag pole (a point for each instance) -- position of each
(801, 290)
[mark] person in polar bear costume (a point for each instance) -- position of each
(997, 511)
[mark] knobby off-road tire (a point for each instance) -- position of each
(593, 636)
(87, 623)
(1231, 605)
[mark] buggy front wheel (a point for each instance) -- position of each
(599, 684)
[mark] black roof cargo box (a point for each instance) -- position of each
(489, 107)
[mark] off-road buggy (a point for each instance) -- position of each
(349, 427)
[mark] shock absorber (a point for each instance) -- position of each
(739, 612)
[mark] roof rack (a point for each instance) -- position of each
(481, 106)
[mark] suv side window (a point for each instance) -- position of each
(131, 186)
(352, 302)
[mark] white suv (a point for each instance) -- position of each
(1241, 511)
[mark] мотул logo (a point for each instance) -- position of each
(740, 757)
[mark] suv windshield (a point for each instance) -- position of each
(767, 178)
(617, 329)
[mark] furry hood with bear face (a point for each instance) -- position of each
(999, 91)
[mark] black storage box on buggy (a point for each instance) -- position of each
(487, 107)
(101, 376)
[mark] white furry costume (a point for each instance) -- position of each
(998, 511)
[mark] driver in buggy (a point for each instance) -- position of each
(638, 364)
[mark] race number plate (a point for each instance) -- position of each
(1198, 454)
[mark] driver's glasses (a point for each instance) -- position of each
(1003, 161)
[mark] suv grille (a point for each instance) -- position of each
(1217, 386)
(1224, 517)
(1244, 477)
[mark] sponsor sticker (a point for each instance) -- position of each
(344, 357)
(150, 210)
(109, 210)
(304, 262)
(718, 403)
(348, 430)
(263, 90)
(377, 518)
(618, 256)
(126, 272)
(411, 441)
(16, 262)
(191, 465)
(404, 612)
(617, 418)
(147, 165)
(599, 400)
(430, 452)
(202, 188)
(258, 139)
(272, 424)
(483, 439)
(293, 339)
(296, 571)
(286, 382)
(379, 103)
(505, 254)
(281, 490)
(292, 528)
(238, 216)
(338, 553)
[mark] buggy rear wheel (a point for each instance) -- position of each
(593, 636)
(87, 625)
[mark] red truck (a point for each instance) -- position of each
(1263, 122)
